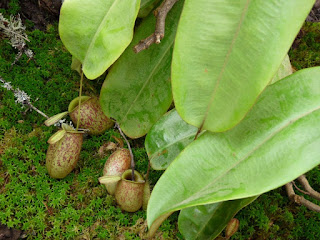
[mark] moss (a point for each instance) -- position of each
(76, 207)
(306, 49)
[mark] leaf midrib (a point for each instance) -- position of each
(290, 122)
(226, 60)
(145, 83)
(172, 143)
(101, 25)
(207, 221)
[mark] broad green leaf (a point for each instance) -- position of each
(284, 70)
(208, 221)
(97, 32)
(225, 54)
(276, 142)
(170, 135)
(167, 138)
(146, 7)
(137, 90)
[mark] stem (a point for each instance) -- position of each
(80, 92)
(15, 33)
(310, 191)
(26, 100)
(37, 110)
(148, 171)
(300, 199)
(161, 14)
(131, 154)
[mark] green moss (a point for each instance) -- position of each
(76, 207)
(306, 50)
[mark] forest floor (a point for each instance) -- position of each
(36, 206)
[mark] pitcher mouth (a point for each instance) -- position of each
(75, 102)
(126, 176)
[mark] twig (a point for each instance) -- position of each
(145, 43)
(80, 92)
(161, 14)
(148, 171)
(21, 97)
(305, 184)
(299, 189)
(130, 150)
(197, 134)
(300, 199)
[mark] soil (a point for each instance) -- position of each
(6, 233)
(44, 12)
(314, 15)
(40, 12)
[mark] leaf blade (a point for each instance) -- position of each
(97, 32)
(137, 90)
(208, 221)
(274, 144)
(234, 49)
(167, 138)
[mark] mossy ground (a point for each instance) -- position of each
(78, 207)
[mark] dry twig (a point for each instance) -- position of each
(161, 14)
(130, 150)
(305, 184)
(21, 97)
(300, 199)
(15, 31)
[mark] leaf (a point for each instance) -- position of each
(76, 65)
(276, 142)
(167, 138)
(97, 32)
(56, 137)
(170, 135)
(52, 120)
(109, 179)
(284, 70)
(156, 224)
(137, 89)
(146, 7)
(225, 54)
(208, 221)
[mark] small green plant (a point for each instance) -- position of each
(240, 136)
(248, 139)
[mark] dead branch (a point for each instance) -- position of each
(21, 97)
(305, 184)
(161, 14)
(300, 199)
(130, 150)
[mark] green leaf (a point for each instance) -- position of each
(109, 179)
(76, 65)
(56, 137)
(137, 90)
(167, 138)
(97, 32)
(208, 221)
(170, 135)
(52, 120)
(284, 70)
(276, 142)
(146, 7)
(225, 54)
